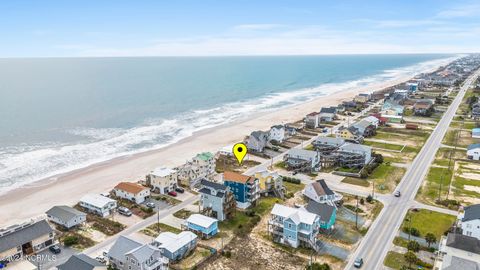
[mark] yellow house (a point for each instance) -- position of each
(269, 181)
(349, 134)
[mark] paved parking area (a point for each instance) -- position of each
(47, 260)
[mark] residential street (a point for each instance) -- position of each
(377, 241)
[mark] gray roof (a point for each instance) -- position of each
(363, 124)
(462, 264)
(213, 185)
(328, 110)
(79, 262)
(463, 242)
(329, 141)
(473, 146)
(64, 213)
(278, 126)
(321, 188)
(208, 191)
(259, 135)
(324, 211)
(24, 235)
(122, 246)
(472, 212)
(296, 152)
(355, 147)
(143, 253)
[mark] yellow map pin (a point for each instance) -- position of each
(239, 151)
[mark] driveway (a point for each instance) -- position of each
(47, 260)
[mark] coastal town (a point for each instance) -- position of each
(388, 179)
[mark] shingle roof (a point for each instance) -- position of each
(462, 264)
(64, 213)
(472, 212)
(130, 187)
(321, 188)
(297, 215)
(213, 185)
(355, 147)
(96, 200)
(24, 235)
(143, 253)
(324, 211)
(173, 242)
(79, 262)
(463, 242)
(236, 177)
(208, 191)
(121, 247)
(329, 141)
(473, 146)
(328, 110)
(297, 152)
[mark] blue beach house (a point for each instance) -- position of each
(294, 227)
(246, 189)
(176, 246)
(203, 226)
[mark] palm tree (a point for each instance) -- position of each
(410, 257)
(430, 238)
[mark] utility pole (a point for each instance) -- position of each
(373, 188)
(356, 213)
(158, 219)
(409, 223)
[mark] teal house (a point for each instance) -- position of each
(203, 226)
(326, 212)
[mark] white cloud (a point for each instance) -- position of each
(255, 27)
(468, 10)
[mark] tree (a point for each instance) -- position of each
(369, 198)
(318, 266)
(413, 246)
(410, 257)
(430, 238)
(70, 240)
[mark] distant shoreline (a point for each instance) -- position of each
(67, 188)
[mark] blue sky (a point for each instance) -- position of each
(204, 27)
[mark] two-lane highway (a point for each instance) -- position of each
(375, 245)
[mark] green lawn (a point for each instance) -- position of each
(394, 260)
(387, 146)
(436, 178)
(356, 181)
(294, 188)
(153, 229)
(386, 177)
(427, 221)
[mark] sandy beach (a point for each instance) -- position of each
(34, 199)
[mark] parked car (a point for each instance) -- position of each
(180, 190)
(124, 211)
(55, 249)
(150, 205)
(172, 193)
(101, 259)
(397, 194)
(358, 263)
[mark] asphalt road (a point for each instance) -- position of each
(376, 243)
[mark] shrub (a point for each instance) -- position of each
(227, 253)
(362, 201)
(250, 213)
(369, 199)
(291, 180)
(70, 240)
(413, 246)
(318, 266)
(413, 231)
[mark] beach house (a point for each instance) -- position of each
(322, 143)
(469, 221)
(392, 111)
(201, 166)
(270, 183)
(162, 180)
(372, 120)
(327, 214)
(356, 153)
(365, 128)
(257, 141)
(128, 254)
(216, 200)
(294, 227)
(245, 188)
(28, 238)
(81, 262)
(131, 191)
(476, 133)
(423, 107)
(473, 151)
(458, 251)
(312, 120)
(412, 87)
(362, 98)
(203, 226)
(301, 159)
(98, 204)
(176, 246)
(66, 216)
(351, 134)
(328, 114)
(319, 191)
(276, 133)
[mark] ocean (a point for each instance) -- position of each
(61, 114)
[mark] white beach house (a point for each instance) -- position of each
(132, 192)
(163, 179)
(98, 204)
